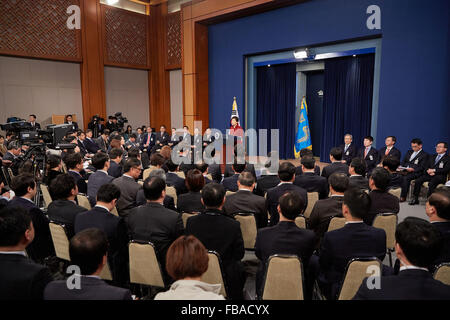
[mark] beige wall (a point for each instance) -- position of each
(40, 87)
(176, 98)
(127, 92)
(127, 5)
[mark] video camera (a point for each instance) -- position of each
(121, 120)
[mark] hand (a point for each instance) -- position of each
(343, 161)
(410, 169)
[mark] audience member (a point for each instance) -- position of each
(391, 164)
(173, 180)
(192, 201)
(101, 163)
(269, 178)
(53, 168)
(305, 152)
(310, 181)
(357, 171)
(336, 164)
(389, 150)
(115, 157)
(74, 163)
(230, 183)
(128, 186)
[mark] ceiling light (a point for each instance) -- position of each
(268, 65)
(301, 54)
(111, 1)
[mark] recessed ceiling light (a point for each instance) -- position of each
(111, 1)
(268, 65)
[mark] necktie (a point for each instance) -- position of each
(346, 147)
(148, 138)
(387, 152)
(438, 158)
(365, 152)
(413, 156)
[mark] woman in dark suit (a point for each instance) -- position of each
(53, 168)
(191, 201)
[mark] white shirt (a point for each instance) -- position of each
(412, 267)
(100, 206)
(105, 172)
(351, 222)
(14, 252)
(28, 199)
(284, 182)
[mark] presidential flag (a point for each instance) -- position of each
(234, 111)
(303, 138)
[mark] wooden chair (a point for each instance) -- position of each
(181, 174)
(283, 279)
(396, 192)
(83, 201)
(357, 269)
(106, 273)
(147, 171)
(209, 176)
(300, 221)
(387, 222)
(144, 265)
(214, 274)
(442, 273)
(171, 191)
(336, 223)
(186, 215)
(313, 197)
(229, 193)
(46, 195)
(115, 212)
(60, 240)
(247, 222)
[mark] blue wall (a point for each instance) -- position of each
(415, 68)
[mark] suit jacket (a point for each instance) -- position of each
(128, 191)
(372, 158)
(230, 183)
(168, 203)
(173, 180)
(249, 167)
(381, 202)
(299, 170)
(275, 193)
(95, 181)
(81, 182)
(265, 183)
(216, 172)
(163, 139)
(321, 214)
(190, 202)
(102, 144)
(396, 181)
(418, 163)
(90, 145)
(444, 256)
(442, 166)
(313, 183)
(358, 182)
(42, 245)
(394, 152)
(409, 284)
(111, 126)
(74, 125)
(334, 167)
(355, 240)
(9, 156)
(65, 211)
(36, 126)
(115, 170)
(245, 201)
(352, 152)
(151, 142)
(21, 278)
(91, 289)
(283, 238)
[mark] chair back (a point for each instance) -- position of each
(46, 195)
(300, 221)
(357, 269)
(186, 215)
(144, 264)
(106, 273)
(147, 171)
(11, 173)
(171, 191)
(64, 167)
(229, 193)
(115, 212)
(396, 192)
(387, 222)
(181, 174)
(209, 176)
(336, 223)
(83, 201)
(442, 273)
(283, 279)
(60, 240)
(248, 228)
(213, 274)
(313, 197)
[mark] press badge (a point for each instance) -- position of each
(347, 153)
(441, 165)
(371, 157)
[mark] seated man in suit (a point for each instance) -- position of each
(336, 164)
(115, 157)
(369, 154)
(283, 238)
(168, 201)
(32, 121)
(220, 233)
(357, 172)
(355, 240)
(100, 217)
(131, 143)
(128, 186)
(174, 138)
(90, 144)
(349, 149)
(162, 138)
(391, 164)
(436, 172)
(309, 181)
(414, 162)
(101, 163)
(438, 212)
(88, 250)
(102, 140)
(325, 209)
(20, 278)
(286, 173)
(192, 200)
(81, 137)
(25, 188)
(230, 183)
(245, 201)
(14, 151)
(203, 167)
(381, 200)
(63, 208)
(389, 149)
(305, 152)
(148, 141)
(268, 179)
(153, 222)
(417, 245)
(239, 157)
(74, 163)
(173, 180)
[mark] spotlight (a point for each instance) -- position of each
(301, 54)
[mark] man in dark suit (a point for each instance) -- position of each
(309, 181)
(325, 209)
(100, 177)
(88, 250)
(381, 200)
(102, 140)
(148, 141)
(305, 152)
(32, 121)
(244, 201)
(162, 138)
(173, 180)
(81, 137)
(90, 144)
(417, 246)
(115, 157)
(239, 157)
(63, 208)
(414, 164)
(391, 164)
(349, 150)
(216, 172)
(356, 239)
(100, 217)
(283, 238)
(25, 188)
(168, 201)
(174, 138)
(68, 120)
(128, 186)
(20, 278)
(436, 172)
(389, 149)
(286, 173)
(268, 179)
(208, 138)
(204, 169)
(220, 233)
(369, 154)
(112, 125)
(357, 172)
(336, 164)
(74, 163)
(230, 183)
(153, 222)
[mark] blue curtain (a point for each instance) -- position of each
(347, 103)
(276, 90)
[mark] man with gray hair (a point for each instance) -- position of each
(349, 150)
(168, 202)
(244, 201)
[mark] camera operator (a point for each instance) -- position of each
(112, 125)
(96, 125)
(13, 153)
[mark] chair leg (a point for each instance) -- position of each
(390, 258)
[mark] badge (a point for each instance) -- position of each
(441, 165)
(416, 162)
(347, 153)
(371, 158)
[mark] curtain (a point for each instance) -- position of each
(347, 104)
(275, 98)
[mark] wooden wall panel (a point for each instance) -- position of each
(173, 36)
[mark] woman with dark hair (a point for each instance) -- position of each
(192, 201)
(186, 261)
(127, 133)
(53, 168)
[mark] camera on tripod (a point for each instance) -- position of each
(121, 120)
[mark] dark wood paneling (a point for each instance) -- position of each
(173, 36)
